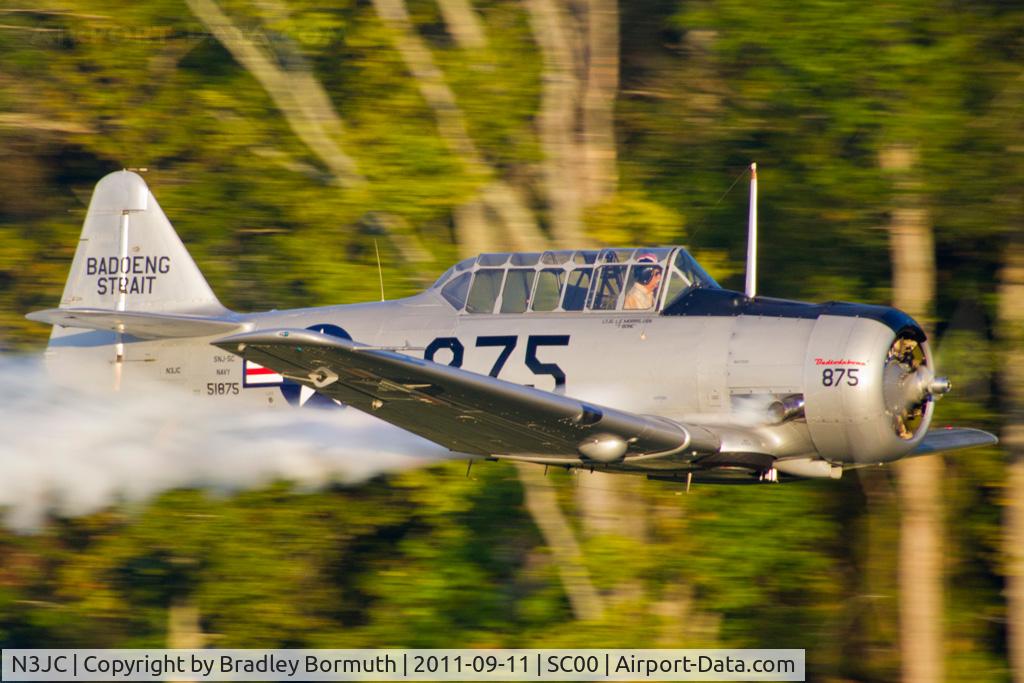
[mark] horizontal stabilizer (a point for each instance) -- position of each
(950, 439)
(137, 324)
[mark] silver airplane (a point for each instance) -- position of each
(629, 360)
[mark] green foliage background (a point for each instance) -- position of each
(812, 90)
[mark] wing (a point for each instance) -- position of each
(138, 324)
(950, 439)
(466, 411)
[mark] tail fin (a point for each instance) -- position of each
(130, 259)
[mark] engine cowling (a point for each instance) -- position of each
(869, 387)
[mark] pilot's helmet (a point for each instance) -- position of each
(645, 273)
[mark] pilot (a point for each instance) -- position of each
(647, 278)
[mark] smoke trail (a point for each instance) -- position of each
(73, 452)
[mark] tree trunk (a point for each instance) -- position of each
(576, 122)
(451, 123)
(472, 231)
(912, 251)
(877, 608)
(557, 120)
(299, 96)
(614, 505)
(1013, 442)
(921, 570)
(1011, 333)
(521, 232)
(543, 506)
(183, 629)
(600, 176)
(609, 504)
(463, 24)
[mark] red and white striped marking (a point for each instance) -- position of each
(257, 375)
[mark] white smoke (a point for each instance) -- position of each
(71, 452)
(749, 412)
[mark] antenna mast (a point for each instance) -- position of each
(380, 272)
(751, 290)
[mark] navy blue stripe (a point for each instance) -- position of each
(723, 302)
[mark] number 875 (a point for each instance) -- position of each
(833, 377)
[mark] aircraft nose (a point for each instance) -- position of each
(904, 390)
(870, 384)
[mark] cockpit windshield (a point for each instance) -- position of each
(686, 274)
(619, 279)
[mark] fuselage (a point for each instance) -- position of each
(713, 357)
